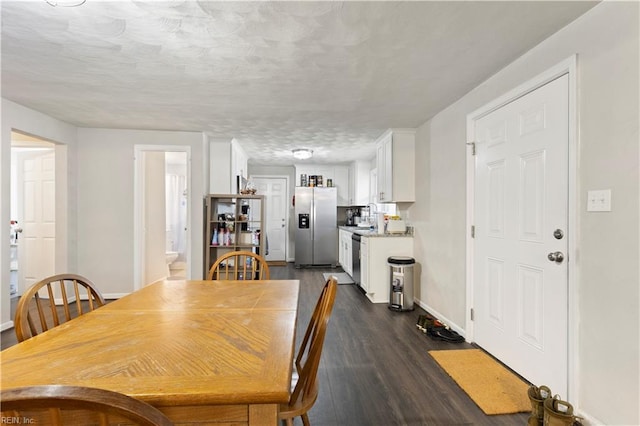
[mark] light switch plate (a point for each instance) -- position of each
(599, 201)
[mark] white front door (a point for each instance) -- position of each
(37, 195)
(276, 201)
(521, 215)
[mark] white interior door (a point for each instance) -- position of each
(275, 192)
(154, 214)
(521, 201)
(36, 198)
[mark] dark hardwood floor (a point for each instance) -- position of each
(8, 337)
(375, 369)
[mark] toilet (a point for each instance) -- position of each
(170, 256)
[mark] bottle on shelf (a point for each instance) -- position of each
(214, 239)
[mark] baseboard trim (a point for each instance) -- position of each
(114, 296)
(587, 420)
(455, 327)
(6, 325)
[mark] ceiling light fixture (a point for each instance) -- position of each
(65, 3)
(302, 153)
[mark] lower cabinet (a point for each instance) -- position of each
(374, 252)
(344, 251)
(364, 264)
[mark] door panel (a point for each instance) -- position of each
(530, 284)
(495, 214)
(275, 192)
(531, 215)
(521, 197)
(495, 281)
(36, 171)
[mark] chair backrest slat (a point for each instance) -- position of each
(54, 311)
(239, 265)
(90, 299)
(32, 326)
(77, 292)
(26, 327)
(65, 301)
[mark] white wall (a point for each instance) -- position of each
(96, 228)
(106, 204)
(17, 117)
(607, 357)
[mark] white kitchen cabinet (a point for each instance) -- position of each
(227, 160)
(345, 254)
(239, 160)
(324, 170)
(341, 181)
(364, 264)
(395, 163)
(339, 174)
(374, 252)
(341, 247)
(359, 183)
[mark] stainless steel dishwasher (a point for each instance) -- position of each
(355, 257)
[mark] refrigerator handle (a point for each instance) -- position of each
(313, 218)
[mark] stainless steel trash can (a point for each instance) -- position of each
(401, 283)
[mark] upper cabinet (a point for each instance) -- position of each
(351, 180)
(338, 174)
(341, 180)
(395, 163)
(227, 161)
(359, 183)
(239, 161)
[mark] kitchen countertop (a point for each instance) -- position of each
(365, 232)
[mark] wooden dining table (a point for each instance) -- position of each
(201, 351)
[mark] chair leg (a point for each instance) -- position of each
(305, 419)
(288, 421)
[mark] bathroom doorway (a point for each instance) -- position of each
(162, 240)
(176, 192)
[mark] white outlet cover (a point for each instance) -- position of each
(599, 200)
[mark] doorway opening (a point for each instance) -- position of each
(276, 192)
(161, 210)
(33, 211)
(176, 192)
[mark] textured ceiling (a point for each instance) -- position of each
(331, 76)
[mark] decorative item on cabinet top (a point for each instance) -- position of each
(249, 188)
(314, 180)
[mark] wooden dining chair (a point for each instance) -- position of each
(239, 265)
(305, 391)
(61, 305)
(76, 405)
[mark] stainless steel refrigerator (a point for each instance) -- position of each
(316, 226)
